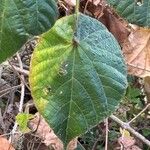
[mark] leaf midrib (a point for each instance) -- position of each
(71, 97)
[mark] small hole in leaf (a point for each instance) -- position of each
(63, 69)
(47, 90)
(62, 72)
(139, 2)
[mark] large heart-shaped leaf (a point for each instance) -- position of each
(135, 11)
(77, 75)
(21, 19)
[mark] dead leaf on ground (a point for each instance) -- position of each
(115, 25)
(44, 131)
(72, 144)
(137, 52)
(5, 145)
(127, 142)
(134, 147)
(102, 12)
(71, 2)
(97, 2)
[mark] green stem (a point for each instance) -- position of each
(77, 16)
(77, 6)
(77, 12)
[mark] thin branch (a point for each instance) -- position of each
(85, 8)
(81, 145)
(138, 114)
(21, 97)
(77, 6)
(131, 130)
(95, 144)
(4, 94)
(22, 85)
(3, 135)
(9, 89)
(22, 71)
(22, 80)
(106, 137)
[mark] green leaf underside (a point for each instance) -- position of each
(77, 77)
(134, 11)
(21, 19)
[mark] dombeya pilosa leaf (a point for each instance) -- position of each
(77, 75)
(135, 11)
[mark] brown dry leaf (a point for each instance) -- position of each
(71, 2)
(134, 147)
(95, 2)
(115, 25)
(47, 135)
(127, 142)
(5, 145)
(45, 132)
(137, 52)
(101, 11)
(72, 144)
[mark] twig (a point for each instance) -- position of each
(86, 6)
(22, 85)
(22, 71)
(81, 145)
(95, 144)
(106, 137)
(21, 97)
(22, 80)
(4, 94)
(77, 7)
(138, 114)
(131, 130)
(3, 135)
(9, 89)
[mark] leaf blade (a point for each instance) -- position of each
(20, 20)
(136, 12)
(77, 96)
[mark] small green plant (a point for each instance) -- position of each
(77, 74)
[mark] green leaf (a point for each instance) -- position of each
(22, 120)
(77, 75)
(132, 93)
(146, 131)
(135, 11)
(22, 19)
